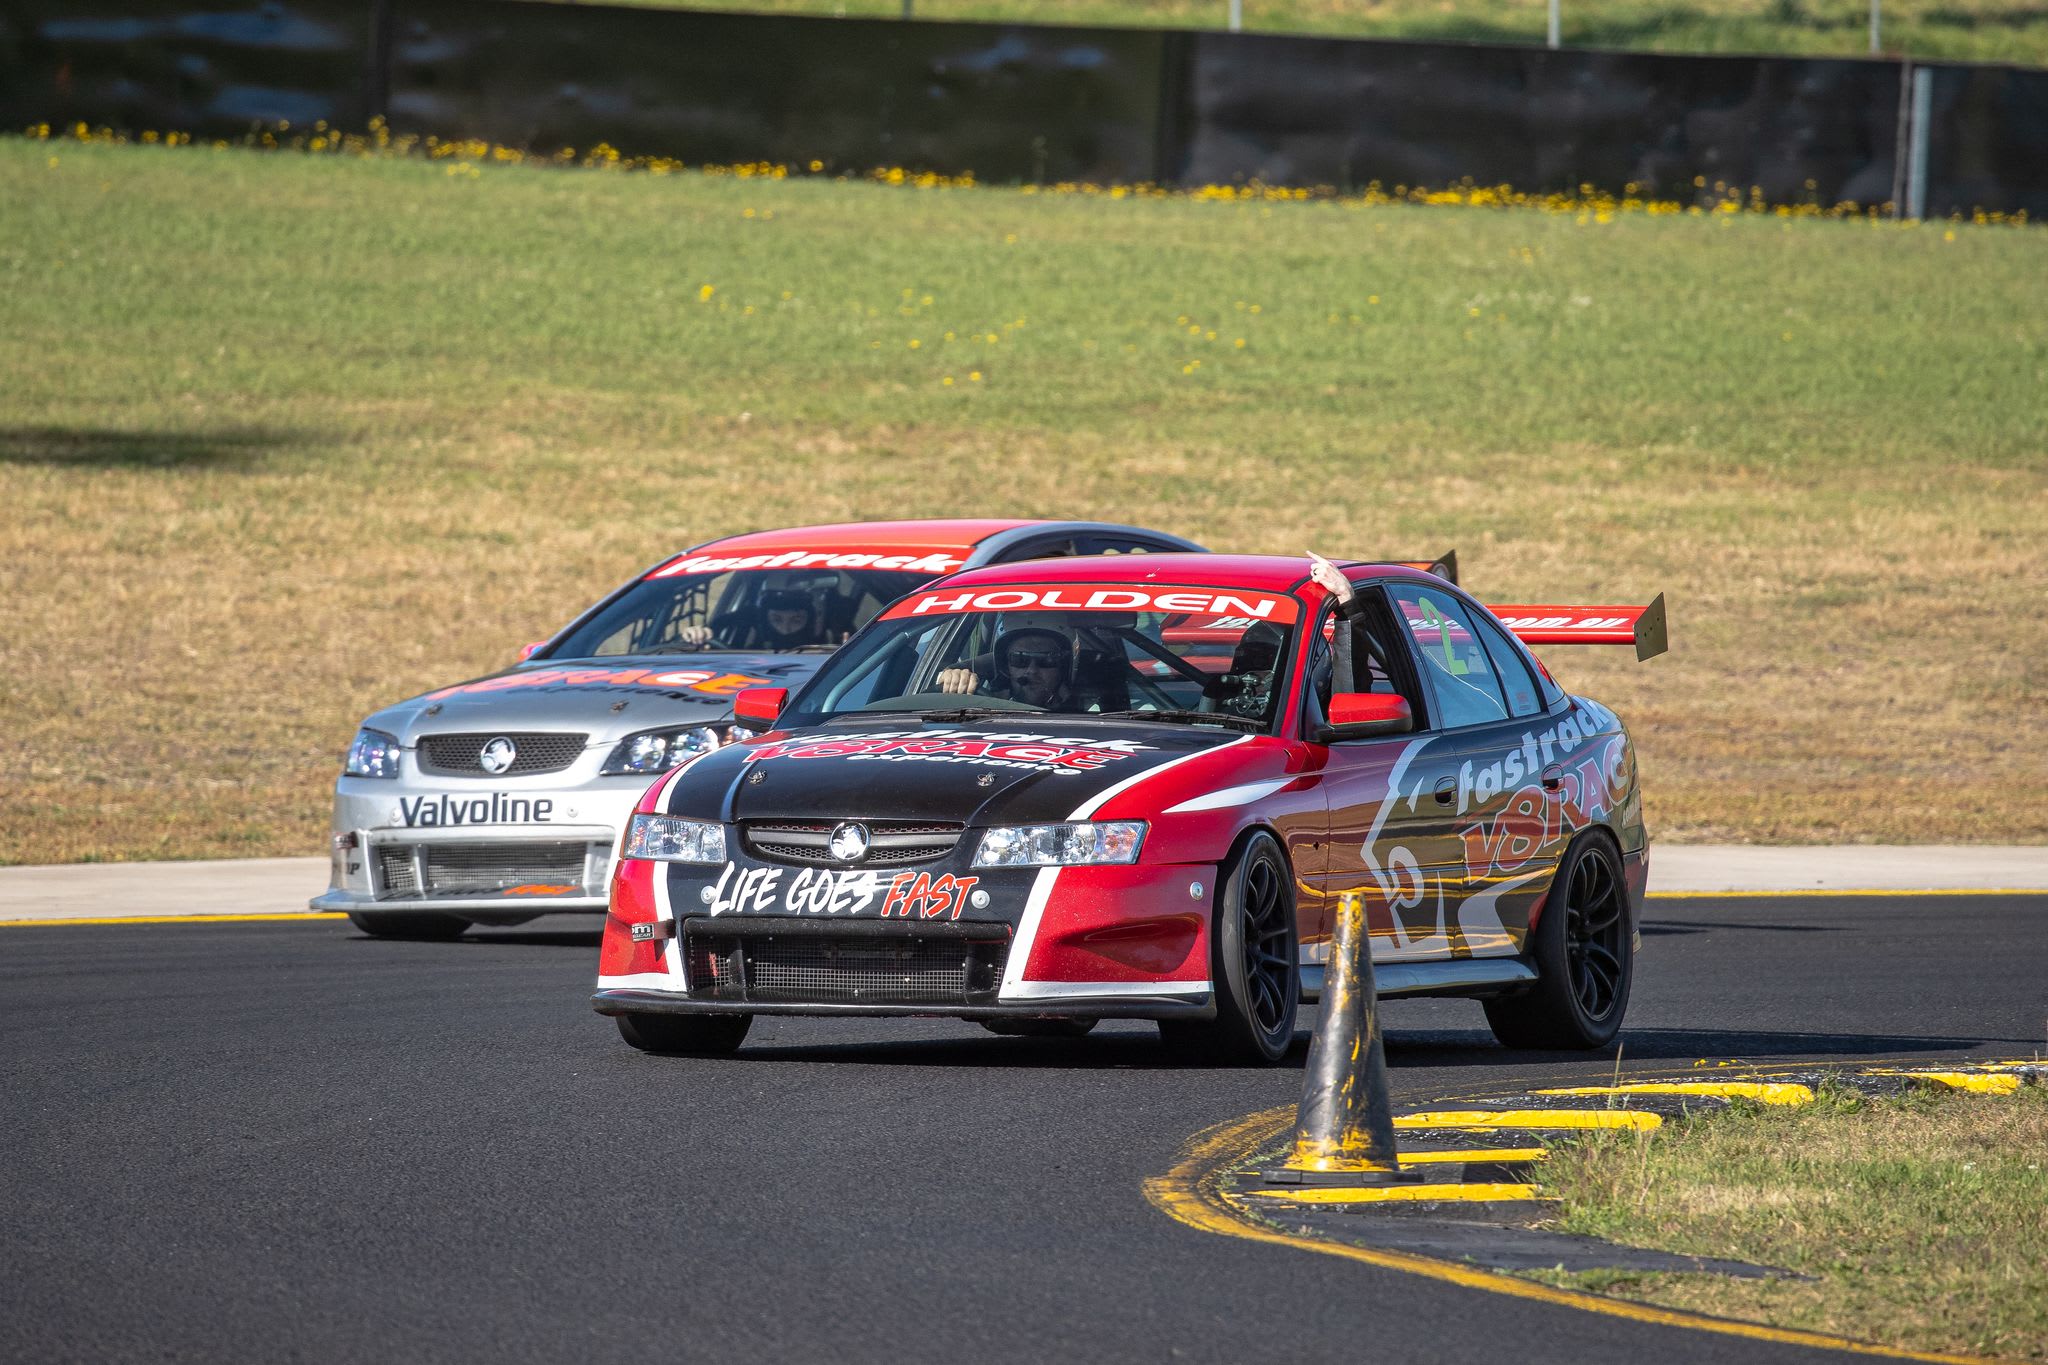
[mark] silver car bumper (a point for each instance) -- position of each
(489, 851)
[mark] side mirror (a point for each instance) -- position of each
(755, 708)
(1362, 715)
(526, 651)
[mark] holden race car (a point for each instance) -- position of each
(499, 799)
(1039, 795)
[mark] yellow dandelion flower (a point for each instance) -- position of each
(1240, 343)
(974, 376)
(705, 291)
(947, 381)
(1254, 308)
(1372, 298)
(816, 166)
(1009, 239)
(915, 343)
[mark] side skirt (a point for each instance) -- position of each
(1475, 977)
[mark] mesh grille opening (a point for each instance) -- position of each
(891, 843)
(478, 869)
(457, 755)
(842, 968)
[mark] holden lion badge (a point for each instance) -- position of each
(849, 842)
(497, 756)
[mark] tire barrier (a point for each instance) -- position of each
(1037, 103)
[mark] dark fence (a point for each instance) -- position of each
(1029, 102)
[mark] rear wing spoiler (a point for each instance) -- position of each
(1642, 627)
(1444, 566)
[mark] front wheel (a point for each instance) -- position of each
(414, 926)
(686, 1035)
(1252, 961)
(1584, 955)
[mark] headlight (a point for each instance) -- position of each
(656, 751)
(1088, 841)
(665, 839)
(374, 754)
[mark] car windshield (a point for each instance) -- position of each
(771, 610)
(1184, 655)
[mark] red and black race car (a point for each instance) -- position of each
(1042, 794)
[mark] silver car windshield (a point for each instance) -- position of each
(755, 610)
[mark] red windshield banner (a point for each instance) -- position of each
(922, 559)
(1230, 606)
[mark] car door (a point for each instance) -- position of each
(1485, 701)
(1392, 833)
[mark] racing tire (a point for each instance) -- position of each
(413, 926)
(686, 1035)
(1041, 1028)
(1253, 963)
(1584, 955)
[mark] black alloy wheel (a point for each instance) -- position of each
(1584, 955)
(1253, 964)
(686, 1035)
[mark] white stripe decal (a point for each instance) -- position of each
(1061, 990)
(1242, 795)
(1041, 889)
(638, 981)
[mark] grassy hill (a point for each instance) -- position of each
(284, 437)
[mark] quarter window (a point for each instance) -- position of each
(1523, 699)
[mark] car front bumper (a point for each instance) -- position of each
(399, 848)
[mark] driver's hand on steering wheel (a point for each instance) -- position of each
(959, 681)
(695, 635)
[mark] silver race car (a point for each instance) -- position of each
(500, 799)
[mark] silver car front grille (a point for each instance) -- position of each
(409, 871)
(461, 755)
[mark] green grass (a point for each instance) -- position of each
(2011, 31)
(286, 437)
(1917, 1222)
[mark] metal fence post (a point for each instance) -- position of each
(1237, 16)
(1916, 154)
(1556, 23)
(1875, 21)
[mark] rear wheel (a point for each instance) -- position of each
(408, 925)
(1584, 955)
(686, 1035)
(1252, 962)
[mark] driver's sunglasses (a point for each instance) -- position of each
(1032, 658)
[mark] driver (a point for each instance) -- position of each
(783, 619)
(1034, 664)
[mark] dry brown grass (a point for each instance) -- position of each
(253, 497)
(1920, 1221)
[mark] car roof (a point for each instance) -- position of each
(1270, 573)
(940, 533)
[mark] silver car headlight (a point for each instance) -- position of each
(1067, 845)
(373, 754)
(656, 751)
(666, 839)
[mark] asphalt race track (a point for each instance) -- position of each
(265, 1141)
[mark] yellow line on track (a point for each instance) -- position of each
(1481, 1192)
(1995, 1083)
(1531, 1118)
(1190, 1194)
(173, 919)
(1764, 1092)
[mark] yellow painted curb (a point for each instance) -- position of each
(1477, 1154)
(1996, 1083)
(1764, 1092)
(1532, 1118)
(172, 919)
(1190, 1194)
(1477, 1193)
